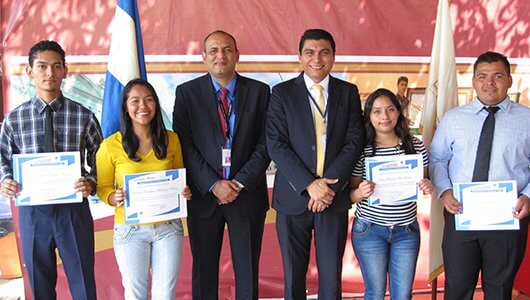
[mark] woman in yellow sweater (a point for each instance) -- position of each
(142, 145)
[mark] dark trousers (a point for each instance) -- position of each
(206, 239)
(69, 229)
(497, 254)
(295, 233)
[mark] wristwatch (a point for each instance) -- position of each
(240, 185)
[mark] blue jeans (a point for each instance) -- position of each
(144, 247)
(386, 250)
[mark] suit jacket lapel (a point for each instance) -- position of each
(241, 93)
(333, 103)
(302, 100)
(210, 102)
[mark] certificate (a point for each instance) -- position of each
(47, 178)
(154, 196)
(396, 178)
(486, 205)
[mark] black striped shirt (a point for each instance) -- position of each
(386, 215)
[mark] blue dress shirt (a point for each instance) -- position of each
(454, 146)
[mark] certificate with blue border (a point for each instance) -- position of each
(396, 178)
(486, 205)
(154, 196)
(47, 178)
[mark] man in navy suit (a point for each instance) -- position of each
(220, 120)
(311, 190)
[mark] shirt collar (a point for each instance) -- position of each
(55, 105)
(504, 105)
(309, 83)
(231, 87)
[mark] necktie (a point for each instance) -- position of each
(223, 118)
(223, 112)
(482, 161)
(320, 127)
(48, 130)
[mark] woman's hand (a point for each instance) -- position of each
(425, 186)
(365, 189)
(117, 198)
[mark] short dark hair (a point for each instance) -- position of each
(316, 34)
(402, 78)
(130, 140)
(491, 57)
(45, 46)
(219, 32)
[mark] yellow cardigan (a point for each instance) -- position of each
(112, 163)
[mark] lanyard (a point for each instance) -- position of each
(226, 114)
(322, 113)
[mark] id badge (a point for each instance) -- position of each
(226, 157)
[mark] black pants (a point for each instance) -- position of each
(497, 254)
(295, 234)
(206, 239)
(69, 229)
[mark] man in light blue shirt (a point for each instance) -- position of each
(497, 254)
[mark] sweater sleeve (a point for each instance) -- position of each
(106, 169)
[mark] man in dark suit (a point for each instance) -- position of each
(315, 146)
(220, 120)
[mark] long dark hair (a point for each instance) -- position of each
(130, 140)
(402, 126)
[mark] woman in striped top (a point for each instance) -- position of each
(386, 237)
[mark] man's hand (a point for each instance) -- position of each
(320, 191)
(10, 188)
(522, 207)
(450, 203)
(240, 186)
(316, 206)
(226, 191)
(186, 193)
(83, 186)
(117, 198)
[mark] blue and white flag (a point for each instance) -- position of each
(126, 62)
